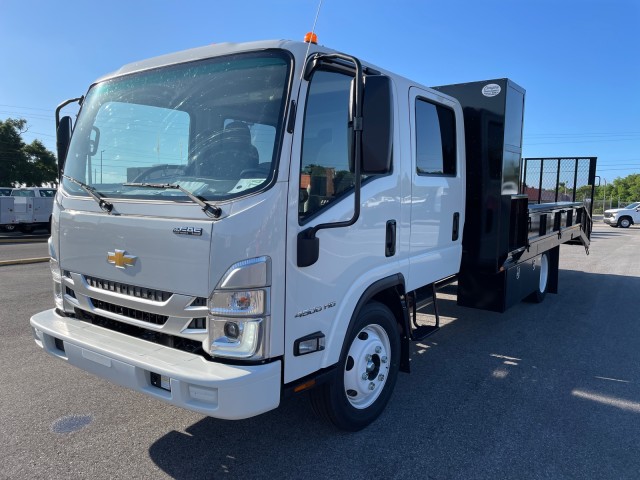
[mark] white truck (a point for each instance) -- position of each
(33, 207)
(7, 216)
(240, 222)
(623, 217)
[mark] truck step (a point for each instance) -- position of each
(423, 331)
(420, 299)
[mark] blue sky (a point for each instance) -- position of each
(577, 59)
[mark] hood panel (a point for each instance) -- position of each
(177, 263)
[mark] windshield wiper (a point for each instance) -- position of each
(212, 211)
(104, 204)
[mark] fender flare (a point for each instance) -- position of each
(387, 284)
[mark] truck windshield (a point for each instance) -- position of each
(212, 126)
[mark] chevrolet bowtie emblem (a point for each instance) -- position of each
(120, 259)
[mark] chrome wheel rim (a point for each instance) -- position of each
(544, 273)
(367, 366)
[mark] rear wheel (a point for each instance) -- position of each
(624, 222)
(543, 281)
(368, 368)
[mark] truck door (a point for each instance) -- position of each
(438, 187)
(321, 298)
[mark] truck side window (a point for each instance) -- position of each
(435, 139)
(324, 167)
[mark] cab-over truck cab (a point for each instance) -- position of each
(237, 222)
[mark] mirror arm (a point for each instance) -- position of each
(63, 144)
(64, 104)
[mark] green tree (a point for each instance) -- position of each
(12, 156)
(42, 165)
(32, 165)
(620, 192)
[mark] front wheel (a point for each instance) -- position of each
(624, 222)
(368, 369)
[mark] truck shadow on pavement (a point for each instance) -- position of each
(547, 389)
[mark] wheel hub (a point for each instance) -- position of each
(367, 367)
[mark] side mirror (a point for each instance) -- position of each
(377, 125)
(94, 141)
(63, 137)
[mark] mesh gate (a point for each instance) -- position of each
(565, 179)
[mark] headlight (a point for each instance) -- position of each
(236, 338)
(56, 275)
(234, 302)
(239, 309)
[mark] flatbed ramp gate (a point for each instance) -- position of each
(548, 181)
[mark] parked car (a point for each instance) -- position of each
(623, 217)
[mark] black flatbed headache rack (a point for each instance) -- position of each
(516, 209)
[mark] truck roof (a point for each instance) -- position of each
(213, 50)
(298, 48)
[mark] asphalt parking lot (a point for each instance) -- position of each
(542, 391)
(17, 247)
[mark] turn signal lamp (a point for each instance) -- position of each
(311, 38)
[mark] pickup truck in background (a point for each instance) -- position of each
(623, 217)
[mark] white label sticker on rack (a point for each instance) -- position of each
(491, 90)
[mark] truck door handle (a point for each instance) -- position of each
(456, 227)
(390, 242)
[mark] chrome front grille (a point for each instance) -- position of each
(152, 314)
(130, 290)
(130, 312)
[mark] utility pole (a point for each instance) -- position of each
(101, 165)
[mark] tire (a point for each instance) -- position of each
(624, 222)
(367, 371)
(543, 282)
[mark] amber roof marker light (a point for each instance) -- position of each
(311, 37)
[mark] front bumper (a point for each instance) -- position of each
(610, 220)
(214, 389)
